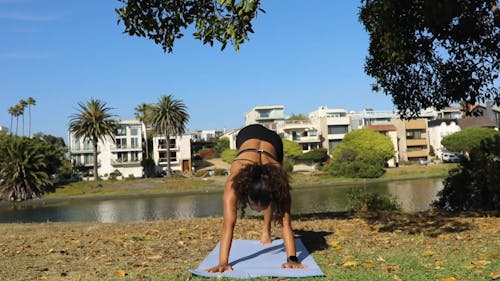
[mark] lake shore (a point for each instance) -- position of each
(91, 190)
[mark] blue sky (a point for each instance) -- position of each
(303, 54)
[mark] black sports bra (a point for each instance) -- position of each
(260, 151)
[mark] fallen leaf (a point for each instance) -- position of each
(451, 278)
(397, 278)
(495, 275)
(121, 273)
(350, 263)
(428, 253)
(155, 257)
(481, 263)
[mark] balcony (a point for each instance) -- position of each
(83, 150)
(126, 148)
(163, 147)
(301, 139)
(416, 154)
(163, 161)
(416, 142)
(125, 163)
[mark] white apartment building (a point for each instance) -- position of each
(4, 129)
(304, 133)
(438, 129)
(271, 117)
(369, 117)
(124, 154)
(180, 153)
(333, 124)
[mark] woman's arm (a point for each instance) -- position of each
(229, 220)
(288, 237)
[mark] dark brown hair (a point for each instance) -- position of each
(263, 185)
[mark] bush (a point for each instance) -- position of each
(361, 200)
(316, 155)
(228, 155)
(148, 167)
(475, 184)
(287, 166)
(115, 174)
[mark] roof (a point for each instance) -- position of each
(476, 122)
(438, 122)
(381, 127)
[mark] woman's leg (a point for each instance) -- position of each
(266, 230)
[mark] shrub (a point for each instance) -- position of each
(148, 167)
(316, 155)
(475, 184)
(287, 165)
(228, 155)
(361, 200)
(115, 174)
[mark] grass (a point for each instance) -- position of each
(390, 246)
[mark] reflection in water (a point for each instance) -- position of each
(414, 195)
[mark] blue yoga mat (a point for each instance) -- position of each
(250, 259)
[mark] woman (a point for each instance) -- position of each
(256, 180)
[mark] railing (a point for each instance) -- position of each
(125, 162)
(126, 147)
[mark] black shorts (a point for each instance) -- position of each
(260, 132)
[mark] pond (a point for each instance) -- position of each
(414, 195)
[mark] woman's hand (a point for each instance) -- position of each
(220, 268)
(294, 265)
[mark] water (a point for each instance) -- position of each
(414, 195)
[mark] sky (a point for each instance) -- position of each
(303, 55)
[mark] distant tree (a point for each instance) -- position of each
(93, 122)
(168, 118)
(475, 184)
(143, 113)
(22, 106)
(433, 52)
(54, 149)
(221, 145)
(291, 149)
(362, 153)
(228, 155)
(23, 165)
(467, 139)
(12, 112)
(163, 22)
(31, 101)
(316, 155)
(298, 117)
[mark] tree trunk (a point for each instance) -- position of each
(169, 170)
(94, 143)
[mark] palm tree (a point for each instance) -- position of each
(12, 112)
(142, 113)
(31, 101)
(17, 112)
(169, 118)
(22, 169)
(93, 122)
(22, 106)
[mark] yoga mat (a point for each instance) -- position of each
(250, 259)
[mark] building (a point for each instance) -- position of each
(180, 153)
(450, 112)
(333, 125)
(438, 129)
(271, 117)
(304, 133)
(390, 131)
(477, 122)
(3, 129)
(369, 117)
(413, 139)
(124, 154)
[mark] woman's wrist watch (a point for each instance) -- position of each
(292, 259)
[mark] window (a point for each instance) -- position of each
(333, 143)
(305, 146)
(121, 131)
(134, 156)
(313, 133)
(134, 142)
(172, 143)
(134, 132)
(414, 134)
(121, 143)
(122, 157)
(88, 160)
(337, 129)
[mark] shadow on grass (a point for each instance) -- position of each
(428, 223)
(313, 240)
